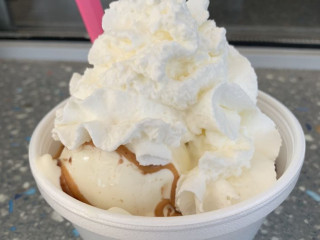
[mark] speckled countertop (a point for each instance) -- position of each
(28, 90)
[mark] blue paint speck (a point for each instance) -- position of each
(17, 196)
(19, 90)
(313, 195)
(302, 109)
(75, 232)
(308, 127)
(28, 138)
(16, 109)
(13, 228)
(10, 206)
(30, 191)
(15, 144)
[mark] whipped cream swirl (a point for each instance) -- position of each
(163, 76)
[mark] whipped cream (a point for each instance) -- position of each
(147, 76)
(164, 77)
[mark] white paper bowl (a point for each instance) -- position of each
(240, 221)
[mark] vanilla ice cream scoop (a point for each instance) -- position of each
(166, 86)
(110, 180)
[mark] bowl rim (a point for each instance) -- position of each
(220, 216)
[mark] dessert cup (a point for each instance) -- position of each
(240, 221)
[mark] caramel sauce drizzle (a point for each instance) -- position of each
(58, 153)
(66, 182)
(90, 143)
(159, 210)
(68, 185)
